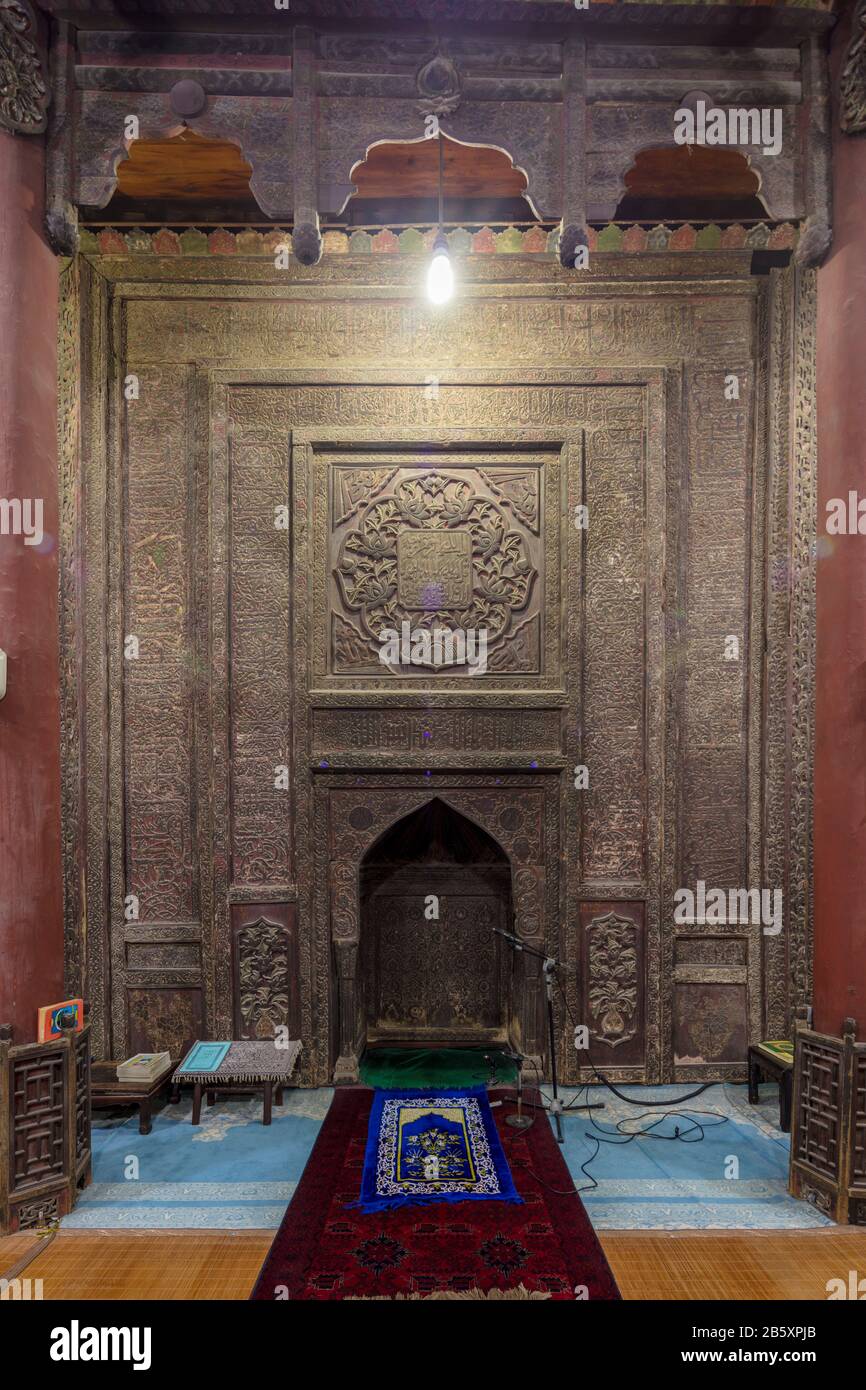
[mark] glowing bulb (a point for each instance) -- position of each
(440, 276)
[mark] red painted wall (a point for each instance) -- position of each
(31, 915)
(840, 713)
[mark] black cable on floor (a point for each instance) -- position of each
(619, 1135)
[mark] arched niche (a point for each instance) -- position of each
(433, 889)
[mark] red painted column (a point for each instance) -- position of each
(31, 906)
(840, 690)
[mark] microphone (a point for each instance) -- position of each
(509, 936)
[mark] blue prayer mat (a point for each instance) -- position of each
(433, 1146)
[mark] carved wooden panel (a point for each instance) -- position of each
(260, 666)
(162, 1020)
(438, 547)
(614, 594)
(158, 681)
(39, 1213)
(344, 734)
(440, 980)
(716, 536)
(284, 458)
(710, 1024)
(265, 969)
(522, 331)
(714, 975)
(453, 545)
(612, 986)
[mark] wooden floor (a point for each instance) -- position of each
(682, 1265)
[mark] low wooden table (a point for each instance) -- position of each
(778, 1068)
(107, 1091)
(249, 1067)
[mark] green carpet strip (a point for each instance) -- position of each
(402, 1068)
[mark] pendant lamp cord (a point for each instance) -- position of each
(441, 166)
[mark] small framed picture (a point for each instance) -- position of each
(57, 1019)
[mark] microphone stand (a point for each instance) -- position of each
(555, 1107)
(519, 1121)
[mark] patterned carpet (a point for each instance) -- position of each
(328, 1249)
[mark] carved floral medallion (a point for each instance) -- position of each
(434, 551)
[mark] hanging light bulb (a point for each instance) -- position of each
(440, 275)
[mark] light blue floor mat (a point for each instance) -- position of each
(734, 1178)
(232, 1172)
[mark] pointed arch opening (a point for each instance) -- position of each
(433, 889)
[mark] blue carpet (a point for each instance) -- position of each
(650, 1184)
(231, 1172)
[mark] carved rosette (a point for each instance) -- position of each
(24, 94)
(613, 975)
(439, 87)
(435, 553)
(852, 85)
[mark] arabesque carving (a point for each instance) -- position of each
(24, 92)
(240, 769)
(434, 553)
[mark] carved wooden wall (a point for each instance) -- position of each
(277, 493)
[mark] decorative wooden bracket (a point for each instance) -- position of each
(306, 235)
(61, 214)
(574, 233)
(817, 234)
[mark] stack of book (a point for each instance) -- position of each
(144, 1066)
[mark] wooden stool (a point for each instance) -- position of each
(776, 1060)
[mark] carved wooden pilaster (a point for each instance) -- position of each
(817, 234)
(306, 236)
(804, 503)
(346, 955)
(71, 609)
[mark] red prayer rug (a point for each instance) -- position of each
(326, 1249)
